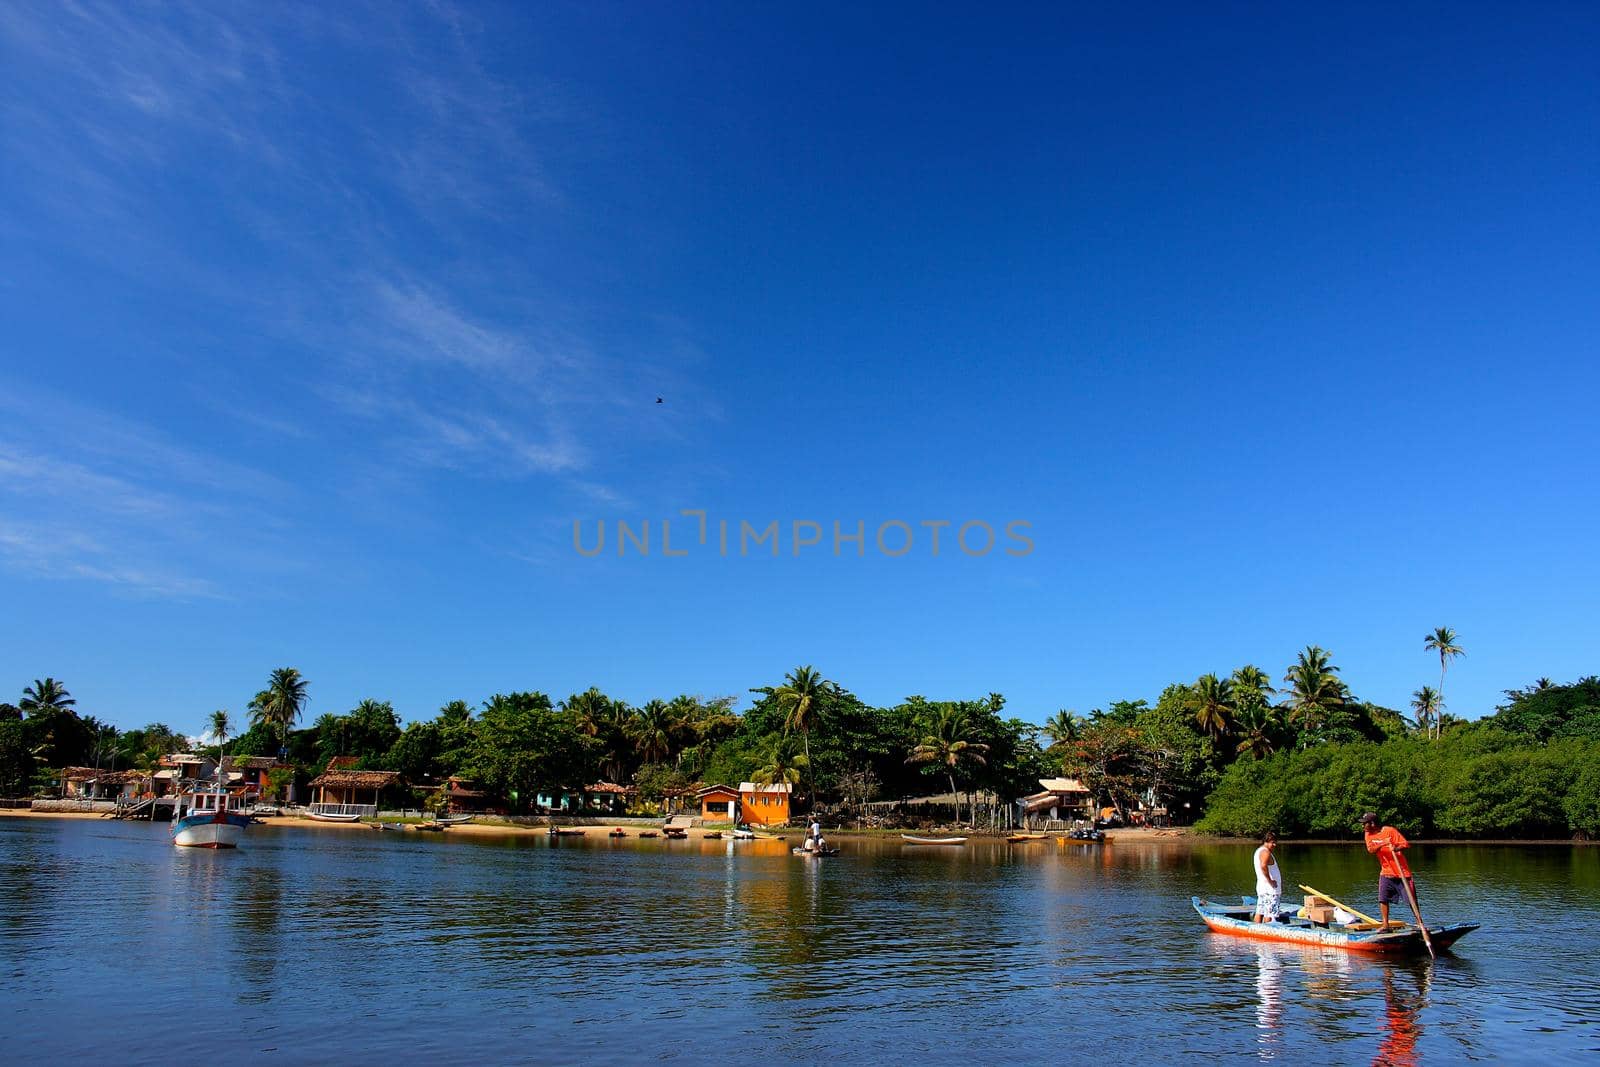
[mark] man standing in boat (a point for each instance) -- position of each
(1269, 883)
(1394, 874)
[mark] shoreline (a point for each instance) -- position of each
(1134, 835)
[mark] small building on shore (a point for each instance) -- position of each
(717, 802)
(343, 790)
(1062, 801)
(764, 805)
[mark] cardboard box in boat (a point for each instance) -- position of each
(1314, 901)
(1322, 913)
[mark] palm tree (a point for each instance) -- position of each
(46, 693)
(1443, 641)
(1542, 684)
(1257, 725)
(279, 705)
(947, 743)
(1062, 728)
(1248, 681)
(1215, 713)
(1314, 689)
(651, 729)
(1426, 703)
(798, 699)
(780, 763)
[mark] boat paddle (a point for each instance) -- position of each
(1341, 904)
(1412, 897)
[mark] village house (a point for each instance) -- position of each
(716, 802)
(343, 790)
(462, 798)
(252, 774)
(764, 805)
(1062, 800)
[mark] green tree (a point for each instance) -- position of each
(1062, 728)
(1315, 691)
(652, 730)
(1426, 704)
(279, 705)
(1214, 714)
(45, 693)
(523, 746)
(799, 698)
(1443, 641)
(947, 745)
(1258, 729)
(782, 762)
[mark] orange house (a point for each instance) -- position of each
(764, 805)
(717, 803)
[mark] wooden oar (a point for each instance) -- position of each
(1339, 904)
(1411, 896)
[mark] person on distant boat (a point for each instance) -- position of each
(1394, 874)
(1269, 883)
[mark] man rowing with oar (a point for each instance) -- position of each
(1394, 875)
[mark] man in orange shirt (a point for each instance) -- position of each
(1393, 873)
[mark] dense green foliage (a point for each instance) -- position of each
(1530, 770)
(1306, 758)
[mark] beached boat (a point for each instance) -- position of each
(333, 816)
(913, 839)
(211, 823)
(713, 835)
(565, 831)
(649, 833)
(1358, 937)
(677, 833)
(389, 827)
(453, 820)
(618, 832)
(1017, 839)
(432, 827)
(744, 834)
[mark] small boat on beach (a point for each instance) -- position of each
(744, 834)
(1017, 839)
(713, 835)
(676, 833)
(453, 820)
(389, 827)
(1399, 939)
(432, 827)
(649, 833)
(333, 816)
(913, 839)
(566, 831)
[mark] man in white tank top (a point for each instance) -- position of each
(1269, 883)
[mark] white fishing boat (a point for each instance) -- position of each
(209, 817)
(334, 816)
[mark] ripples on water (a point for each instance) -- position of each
(313, 945)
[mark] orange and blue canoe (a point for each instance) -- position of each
(1235, 919)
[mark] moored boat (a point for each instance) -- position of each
(1017, 839)
(618, 832)
(830, 850)
(1235, 919)
(211, 822)
(713, 835)
(913, 839)
(333, 816)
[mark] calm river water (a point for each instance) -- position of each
(348, 946)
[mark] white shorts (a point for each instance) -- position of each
(1267, 902)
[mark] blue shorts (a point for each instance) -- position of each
(1393, 891)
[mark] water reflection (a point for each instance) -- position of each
(322, 944)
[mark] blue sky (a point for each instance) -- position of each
(324, 323)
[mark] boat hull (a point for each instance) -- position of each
(910, 840)
(209, 830)
(1235, 922)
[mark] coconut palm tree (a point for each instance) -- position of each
(798, 698)
(1257, 726)
(1314, 689)
(279, 705)
(947, 742)
(45, 693)
(1248, 681)
(652, 729)
(1443, 641)
(781, 763)
(1215, 696)
(1062, 729)
(1426, 703)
